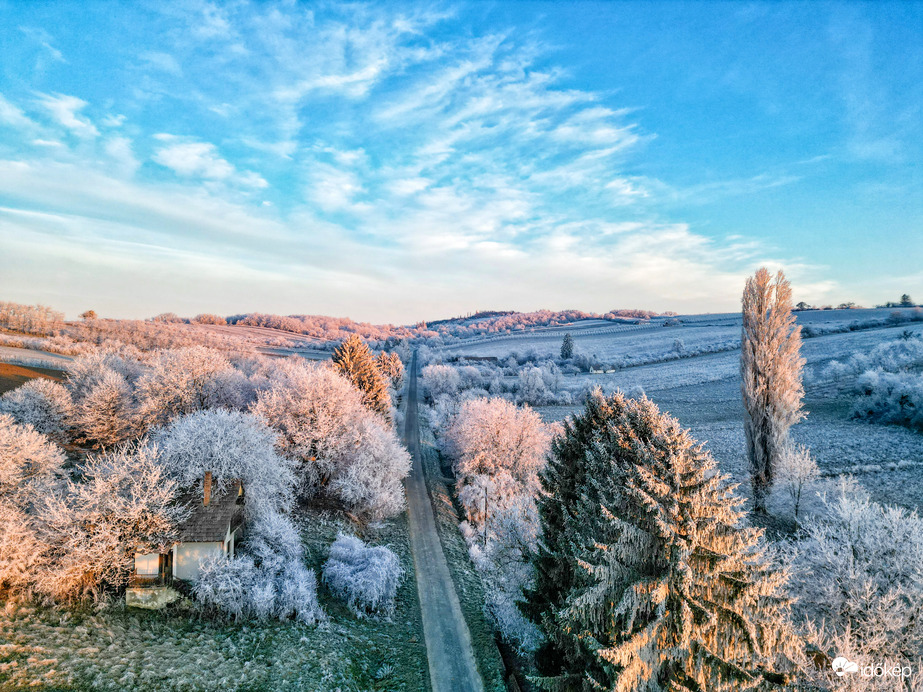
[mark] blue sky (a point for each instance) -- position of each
(396, 162)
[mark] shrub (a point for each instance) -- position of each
(890, 398)
(266, 580)
(41, 403)
(858, 572)
(365, 577)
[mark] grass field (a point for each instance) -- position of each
(114, 648)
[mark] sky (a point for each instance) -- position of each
(396, 162)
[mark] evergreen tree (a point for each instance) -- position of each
(356, 362)
(391, 366)
(646, 580)
(770, 369)
(555, 562)
(567, 347)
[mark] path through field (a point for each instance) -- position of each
(448, 643)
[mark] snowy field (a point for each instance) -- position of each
(653, 340)
(703, 392)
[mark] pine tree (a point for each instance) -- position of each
(567, 347)
(391, 366)
(770, 369)
(555, 563)
(663, 589)
(354, 359)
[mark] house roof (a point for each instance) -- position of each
(211, 522)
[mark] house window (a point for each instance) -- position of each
(147, 565)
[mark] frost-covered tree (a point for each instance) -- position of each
(393, 368)
(345, 453)
(532, 387)
(440, 379)
(182, 381)
(665, 589)
(770, 368)
(356, 362)
(233, 446)
(858, 579)
(41, 403)
(88, 371)
(31, 468)
(797, 472)
(366, 577)
(489, 435)
(106, 415)
(567, 347)
(30, 463)
(125, 502)
(492, 438)
(555, 562)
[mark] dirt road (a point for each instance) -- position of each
(452, 665)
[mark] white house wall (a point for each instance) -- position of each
(188, 557)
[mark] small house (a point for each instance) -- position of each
(213, 528)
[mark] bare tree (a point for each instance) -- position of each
(797, 471)
(770, 367)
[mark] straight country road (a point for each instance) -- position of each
(452, 666)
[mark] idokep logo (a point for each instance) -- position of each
(842, 665)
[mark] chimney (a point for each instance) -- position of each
(208, 488)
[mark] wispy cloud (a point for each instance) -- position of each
(386, 163)
(201, 160)
(65, 110)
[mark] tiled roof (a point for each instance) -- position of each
(211, 523)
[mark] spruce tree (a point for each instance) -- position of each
(567, 347)
(391, 367)
(770, 370)
(354, 360)
(561, 658)
(653, 584)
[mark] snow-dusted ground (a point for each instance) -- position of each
(27, 356)
(703, 392)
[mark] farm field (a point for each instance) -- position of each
(653, 340)
(703, 392)
(114, 648)
(12, 375)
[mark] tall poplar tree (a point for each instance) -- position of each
(770, 369)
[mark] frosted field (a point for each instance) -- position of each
(703, 392)
(646, 342)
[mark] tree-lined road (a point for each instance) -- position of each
(452, 665)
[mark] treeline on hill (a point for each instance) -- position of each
(95, 469)
(333, 329)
